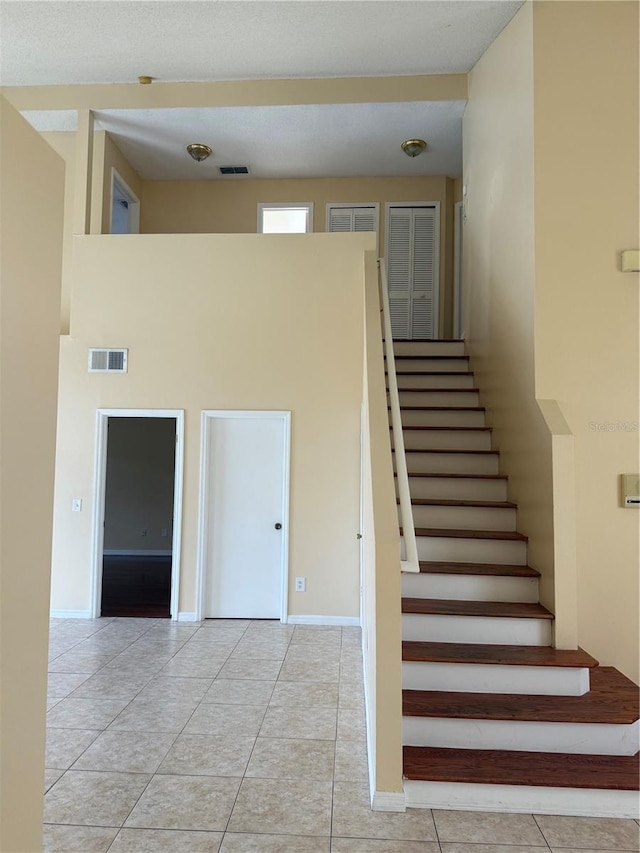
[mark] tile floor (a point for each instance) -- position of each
(240, 737)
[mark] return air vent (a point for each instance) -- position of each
(108, 360)
(233, 170)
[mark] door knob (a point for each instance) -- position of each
(278, 526)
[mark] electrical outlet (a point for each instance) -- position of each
(301, 584)
(76, 505)
(144, 532)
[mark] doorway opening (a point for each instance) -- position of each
(137, 517)
(125, 207)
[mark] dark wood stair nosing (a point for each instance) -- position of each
(446, 428)
(457, 476)
(535, 769)
(414, 651)
(448, 450)
(611, 700)
(457, 533)
(487, 609)
(456, 504)
(441, 408)
(489, 569)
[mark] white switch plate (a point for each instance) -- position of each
(301, 584)
(76, 505)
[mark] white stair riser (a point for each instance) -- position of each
(447, 417)
(433, 365)
(435, 380)
(419, 348)
(441, 549)
(419, 462)
(439, 398)
(447, 439)
(489, 678)
(470, 587)
(494, 630)
(457, 488)
(464, 517)
(523, 736)
(521, 799)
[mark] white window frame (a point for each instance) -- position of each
(293, 205)
(134, 202)
(436, 205)
(342, 204)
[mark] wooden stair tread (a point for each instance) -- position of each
(442, 390)
(453, 607)
(433, 372)
(612, 699)
(446, 428)
(454, 533)
(430, 357)
(443, 450)
(459, 476)
(495, 655)
(428, 340)
(459, 503)
(544, 769)
(494, 569)
(442, 408)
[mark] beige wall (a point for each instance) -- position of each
(500, 277)
(586, 213)
(238, 322)
(230, 207)
(32, 215)
(139, 484)
(552, 200)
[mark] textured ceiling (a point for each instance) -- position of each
(55, 43)
(51, 42)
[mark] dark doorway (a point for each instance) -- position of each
(138, 524)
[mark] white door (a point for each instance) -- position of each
(246, 527)
(412, 271)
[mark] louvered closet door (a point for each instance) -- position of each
(411, 258)
(353, 219)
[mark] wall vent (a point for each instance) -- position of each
(108, 360)
(233, 170)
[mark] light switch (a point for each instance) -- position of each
(630, 261)
(631, 490)
(76, 505)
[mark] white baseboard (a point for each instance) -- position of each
(128, 552)
(388, 801)
(345, 621)
(187, 616)
(70, 614)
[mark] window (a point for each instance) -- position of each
(295, 218)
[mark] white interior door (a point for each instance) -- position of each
(246, 527)
(412, 271)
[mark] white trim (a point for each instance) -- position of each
(123, 552)
(208, 415)
(187, 616)
(345, 621)
(99, 482)
(388, 801)
(458, 219)
(70, 614)
(291, 205)
(436, 293)
(134, 204)
(519, 799)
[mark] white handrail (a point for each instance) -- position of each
(411, 563)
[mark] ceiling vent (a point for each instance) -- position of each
(108, 360)
(233, 170)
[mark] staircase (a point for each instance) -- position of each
(494, 717)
